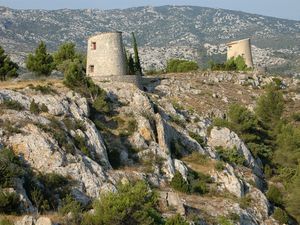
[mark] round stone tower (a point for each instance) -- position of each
(242, 48)
(105, 55)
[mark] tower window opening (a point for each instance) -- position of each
(94, 46)
(91, 68)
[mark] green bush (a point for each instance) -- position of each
(180, 66)
(133, 203)
(179, 183)
(6, 222)
(46, 190)
(11, 104)
(198, 182)
(47, 89)
(233, 64)
(245, 202)
(219, 166)
(41, 63)
(275, 196)
(222, 220)
(10, 168)
(176, 220)
(9, 202)
(198, 138)
(34, 107)
(81, 144)
(281, 216)
(70, 205)
(231, 156)
(44, 108)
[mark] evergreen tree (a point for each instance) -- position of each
(270, 108)
(66, 54)
(137, 62)
(131, 65)
(41, 63)
(7, 67)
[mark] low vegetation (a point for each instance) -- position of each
(196, 182)
(275, 140)
(179, 66)
(134, 203)
(233, 64)
(11, 104)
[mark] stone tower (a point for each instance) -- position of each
(242, 48)
(106, 55)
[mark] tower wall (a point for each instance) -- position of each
(105, 55)
(242, 48)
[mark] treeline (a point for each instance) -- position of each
(275, 139)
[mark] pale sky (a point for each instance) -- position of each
(289, 9)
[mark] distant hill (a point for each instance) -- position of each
(21, 30)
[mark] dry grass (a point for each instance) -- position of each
(23, 84)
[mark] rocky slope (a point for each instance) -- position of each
(136, 141)
(185, 31)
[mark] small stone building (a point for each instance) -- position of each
(240, 48)
(106, 59)
(106, 55)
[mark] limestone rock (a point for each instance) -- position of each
(227, 139)
(26, 220)
(229, 181)
(43, 221)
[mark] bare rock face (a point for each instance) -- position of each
(43, 221)
(172, 199)
(26, 220)
(227, 139)
(228, 180)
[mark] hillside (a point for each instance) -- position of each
(180, 31)
(68, 144)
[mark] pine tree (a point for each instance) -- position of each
(131, 65)
(41, 63)
(7, 67)
(137, 62)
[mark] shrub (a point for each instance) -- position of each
(133, 203)
(70, 205)
(275, 196)
(11, 104)
(198, 182)
(281, 216)
(47, 89)
(219, 166)
(9, 202)
(233, 64)
(101, 104)
(34, 107)
(10, 168)
(6, 222)
(231, 156)
(179, 66)
(176, 220)
(74, 124)
(41, 63)
(179, 183)
(222, 220)
(81, 144)
(245, 202)
(198, 138)
(44, 108)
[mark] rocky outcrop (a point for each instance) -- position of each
(223, 137)
(30, 220)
